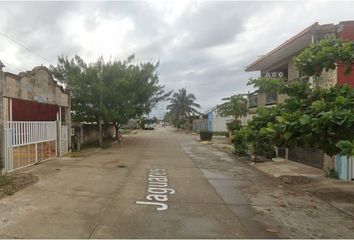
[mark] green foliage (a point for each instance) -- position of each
(240, 140)
(233, 125)
(112, 91)
(267, 84)
(251, 139)
(182, 106)
(205, 135)
(221, 134)
(321, 118)
(332, 173)
(313, 118)
(235, 106)
(324, 55)
(4, 181)
(346, 147)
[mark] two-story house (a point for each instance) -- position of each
(278, 63)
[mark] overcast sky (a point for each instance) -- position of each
(203, 46)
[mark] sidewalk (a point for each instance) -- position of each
(338, 193)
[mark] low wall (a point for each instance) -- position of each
(200, 124)
(89, 132)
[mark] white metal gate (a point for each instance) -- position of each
(63, 139)
(27, 143)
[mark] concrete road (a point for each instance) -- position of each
(95, 195)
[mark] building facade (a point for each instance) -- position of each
(278, 63)
(34, 118)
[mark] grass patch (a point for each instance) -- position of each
(332, 173)
(4, 181)
(126, 131)
(9, 184)
(226, 134)
(107, 142)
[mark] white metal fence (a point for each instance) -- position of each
(27, 143)
(24, 133)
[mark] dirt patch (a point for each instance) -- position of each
(9, 184)
(296, 180)
(333, 194)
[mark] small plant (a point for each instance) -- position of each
(4, 181)
(105, 145)
(346, 147)
(206, 135)
(332, 173)
(239, 140)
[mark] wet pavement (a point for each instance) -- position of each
(265, 204)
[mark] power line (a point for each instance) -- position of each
(21, 45)
(11, 65)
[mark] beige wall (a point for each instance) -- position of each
(36, 85)
(293, 73)
(219, 123)
(327, 79)
(261, 99)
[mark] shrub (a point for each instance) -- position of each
(206, 135)
(239, 139)
(234, 125)
(332, 173)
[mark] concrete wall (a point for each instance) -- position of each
(327, 79)
(200, 124)
(36, 85)
(293, 73)
(89, 132)
(244, 119)
(2, 136)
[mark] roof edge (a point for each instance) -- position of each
(303, 32)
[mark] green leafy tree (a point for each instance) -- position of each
(110, 92)
(325, 55)
(182, 105)
(235, 106)
(322, 118)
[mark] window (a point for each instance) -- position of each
(252, 101)
(272, 97)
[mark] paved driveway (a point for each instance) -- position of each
(94, 196)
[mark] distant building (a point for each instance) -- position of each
(217, 123)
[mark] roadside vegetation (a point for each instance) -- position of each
(110, 92)
(310, 116)
(181, 109)
(9, 184)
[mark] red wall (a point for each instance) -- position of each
(347, 32)
(31, 111)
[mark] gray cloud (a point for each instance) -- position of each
(203, 47)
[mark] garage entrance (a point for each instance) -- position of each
(27, 143)
(36, 116)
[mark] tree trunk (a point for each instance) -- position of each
(100, 130)
(116, 128)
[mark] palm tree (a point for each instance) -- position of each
(182, 105)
